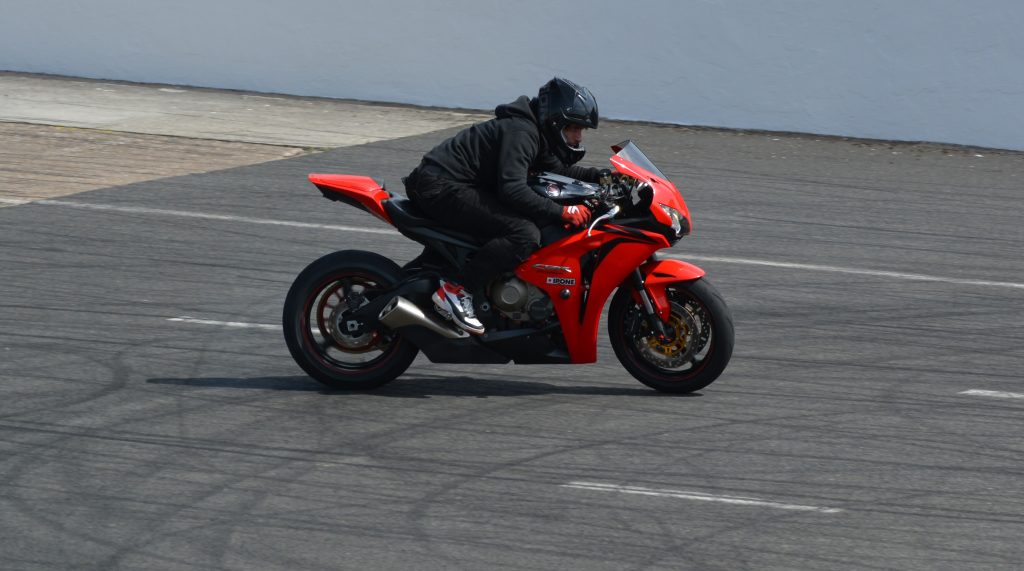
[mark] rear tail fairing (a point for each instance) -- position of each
(360, 191)
(580, 272)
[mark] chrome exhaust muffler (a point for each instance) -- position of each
(400, 312)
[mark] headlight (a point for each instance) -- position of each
(674, 214)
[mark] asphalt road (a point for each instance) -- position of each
(871, 287)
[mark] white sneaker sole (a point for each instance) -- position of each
(450, 316)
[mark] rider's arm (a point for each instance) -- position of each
(515, 153)
(550, 163)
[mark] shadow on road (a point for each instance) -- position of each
(418, 386)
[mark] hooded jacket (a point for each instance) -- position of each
(496, 156)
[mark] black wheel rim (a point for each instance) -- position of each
(689, 343)
(330, 334)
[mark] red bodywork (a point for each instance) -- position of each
(367, 192)
(578, 272)
(618, 251)
(659, 274)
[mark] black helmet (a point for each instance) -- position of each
(559, 103)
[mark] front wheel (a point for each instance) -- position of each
(697, 346)
(332, 348)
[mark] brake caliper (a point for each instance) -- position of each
(674, 343)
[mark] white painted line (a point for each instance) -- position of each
(994, 394)
(720, 259)
(842, 270)
(202, 215)
(697, 496)
(237, 324)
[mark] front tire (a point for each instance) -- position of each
(696, 351)
(316, 328)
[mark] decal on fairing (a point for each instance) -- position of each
(562, 281)
(550, 268)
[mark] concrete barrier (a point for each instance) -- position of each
(934, 70)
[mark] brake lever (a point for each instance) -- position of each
(610, 214)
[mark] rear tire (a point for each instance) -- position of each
(697, 352)
(315, 324)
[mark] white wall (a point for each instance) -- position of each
(936, 70)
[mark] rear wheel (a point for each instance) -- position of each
(696, 349)
(324, 340)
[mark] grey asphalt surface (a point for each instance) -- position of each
(128, 441)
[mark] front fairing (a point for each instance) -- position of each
(579, 273)
(631, 161)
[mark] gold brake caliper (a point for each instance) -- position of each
(676, 346)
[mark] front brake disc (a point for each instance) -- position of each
(677, 351)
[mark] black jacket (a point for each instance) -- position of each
(496, 155)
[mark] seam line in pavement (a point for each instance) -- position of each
(697, 496)
(856, 271)
(994, 394)
(233, 324)
(188, 214)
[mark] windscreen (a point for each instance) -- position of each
(630, 152)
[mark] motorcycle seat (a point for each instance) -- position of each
(408, 217)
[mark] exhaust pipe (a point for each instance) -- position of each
(400, 312)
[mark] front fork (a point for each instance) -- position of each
(657, 325)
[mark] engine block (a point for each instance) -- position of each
(520, 301)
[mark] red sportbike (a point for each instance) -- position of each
(356, 320)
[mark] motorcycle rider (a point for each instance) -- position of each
(476, 182)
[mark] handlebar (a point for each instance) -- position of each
(607, 215)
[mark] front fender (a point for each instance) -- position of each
(659, 274)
